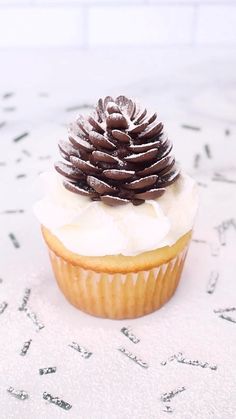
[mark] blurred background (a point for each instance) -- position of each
(92, 23)
(179, 56)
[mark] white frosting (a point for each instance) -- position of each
(92, 228)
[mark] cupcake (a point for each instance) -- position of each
(118, 213)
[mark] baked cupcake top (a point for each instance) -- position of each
(118, 154)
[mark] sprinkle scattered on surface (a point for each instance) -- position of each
(14, 240)
(3, 307)
(191, 127)
(211, 285)
(57, 401)
(18, 394)
(20, 137)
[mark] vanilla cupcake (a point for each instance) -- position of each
(118, 216)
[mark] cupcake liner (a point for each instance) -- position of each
(118, 296)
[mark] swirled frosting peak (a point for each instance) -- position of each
(118, 154)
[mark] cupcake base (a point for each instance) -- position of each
(118, 295)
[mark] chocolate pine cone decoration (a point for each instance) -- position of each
(119, 154)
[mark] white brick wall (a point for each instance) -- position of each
(140, 25)
(222, 27)
(40, 27)
(89, 23)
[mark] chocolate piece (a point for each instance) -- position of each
(96, 125)
(107, 100)
(112, 108)
(99, 141)
(74, 188)
(100, 110)
(117, 155)
(121, 136)
(124, 104)
(104, 157)
(142, 182)
(137, 129)
(84, 166)
(83, 125)
(152, 118)
(99, 186)
(117, 174)
(68, 170)
(154, 129)
(156, 167)
(142, 157)
(140, 117)
(170, 178)
(139, 148)
(151, 194)
(80, 143)
(67, 150)
(116, 120)
(113, 200)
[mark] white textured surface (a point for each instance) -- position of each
(108, 385)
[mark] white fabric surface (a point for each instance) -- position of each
(108, 385)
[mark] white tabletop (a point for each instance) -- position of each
(195, 93)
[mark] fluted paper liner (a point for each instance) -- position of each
(118, 295)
